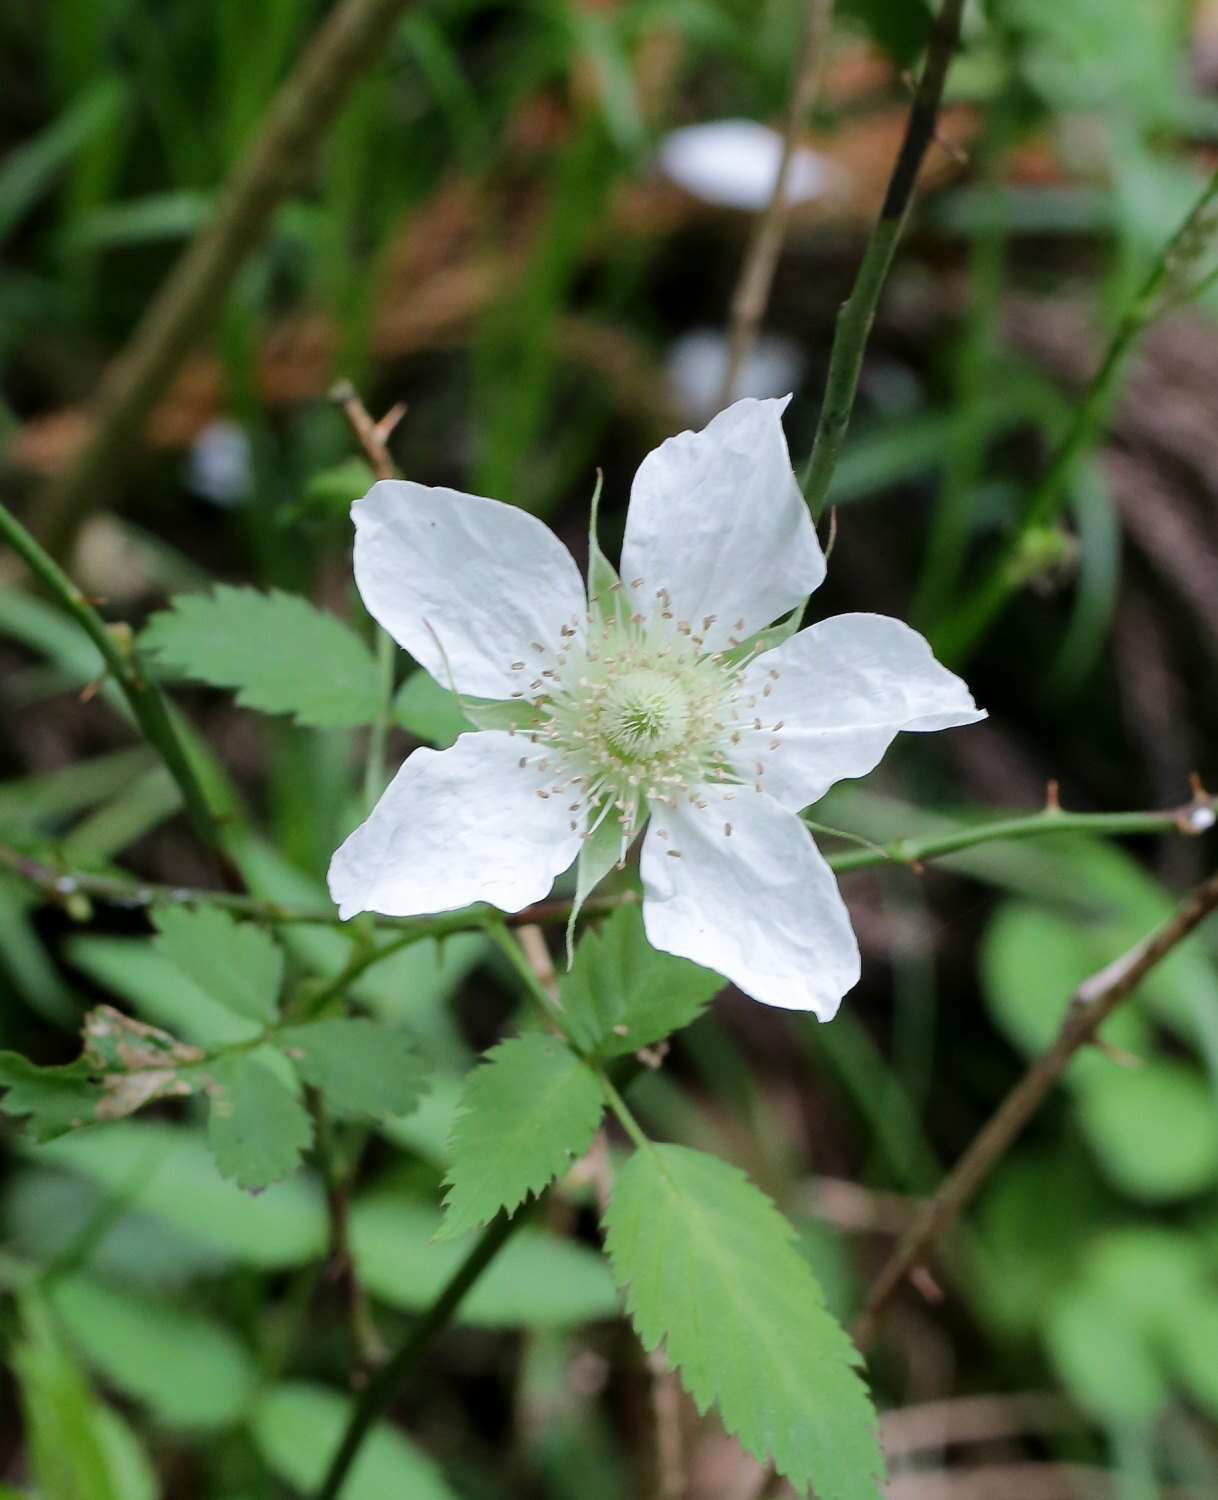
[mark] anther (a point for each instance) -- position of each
(708, 621)
(537, 646)
(727, 830)
(636, 583)
(518, 666)
(673, 853)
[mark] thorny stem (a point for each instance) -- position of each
(373, 438)
(63, 885)
(1090, 1006)
(963, 630)
(297, 118)
(765, 244)
(858, 311)
(119, 653)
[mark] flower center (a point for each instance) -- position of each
(644, 713)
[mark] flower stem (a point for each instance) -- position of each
(118, 651)
(858, 311)
(1193, 818)
(378, 733)
(383, 1386)
(1167, 284)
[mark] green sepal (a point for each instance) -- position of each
(598, 854)
(767, 639)
(606, 597)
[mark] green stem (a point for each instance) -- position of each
(374, 767)
(119, 654)
(857, 314)
(382, 1388)
(622, 1110)
(1193, 818)
(963, 631)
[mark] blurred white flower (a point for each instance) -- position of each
(647, 704)
(734, 163)
(697, 360)
(220, 466)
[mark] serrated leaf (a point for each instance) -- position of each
(257, 1128)
(298, 1426)
(134, 1063)
(234, 962)
(54, 1100)
(361, 1067)
(526, 1113)
(710, 1269)
(280, 654)
(621, 994)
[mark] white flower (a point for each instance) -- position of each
(733, 163)
(649, 704)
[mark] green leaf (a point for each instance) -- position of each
(1154, 1129)
(1032, 961)
(526, 1113)
(55, 1100)
(190, 1370)
(1103, 1358)
(280, 654)
(536, 1281)
(234, 962)
(710, 1267)
(298, 1426)
(78, 1449)
(621, 994)
(1192, 1349)
(156, 988)
(361, 1067)
(168, 1171)
(257, 1128)
(430, 712)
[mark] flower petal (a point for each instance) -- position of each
(466, 585)
(457, 826)
(758, 904)
(717, 519)
(832, 699)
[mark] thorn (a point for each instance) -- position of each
(384, 429)
(925, 1284)
(1052, 796)
(1118, 1055)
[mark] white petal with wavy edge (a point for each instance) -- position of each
(457, 826)
(738, 886)
(830, 701)
(467, 585)
(717, 519)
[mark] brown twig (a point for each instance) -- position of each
(373, 437)
(295, 122)
(765, 244)
(1091, 1005)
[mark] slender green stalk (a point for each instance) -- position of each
(384, 1385)
(119, 653)
(1193, 818)
(62, 885)
(374, 767)
(1167, 283)
(857, 314)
